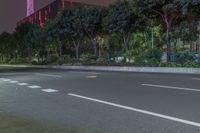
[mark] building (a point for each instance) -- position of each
(53, 9)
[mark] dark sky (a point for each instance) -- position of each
(13, 10)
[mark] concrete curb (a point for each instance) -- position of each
(25, 66)
(131, 69)
(116, 68)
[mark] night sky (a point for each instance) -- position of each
(13, 10)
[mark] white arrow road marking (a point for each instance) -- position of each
(138, 110)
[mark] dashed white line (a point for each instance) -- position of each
(196, 78)
(34, 87)
(92, 77)
(50, 90)
(138, 110)
(49, 75)
(13, 82)
(6, 80)
(22, 84)
(172, 87)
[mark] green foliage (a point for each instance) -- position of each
(53, 59)
(154, 54)
(64, 59)
(88, 57)
(129, 28)
(102, 60)
(169, 64)
(183, 57)
(122, 20)
(191, 64)
(12, 61)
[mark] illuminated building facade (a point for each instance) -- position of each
(53, 9)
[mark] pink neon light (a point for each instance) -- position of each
(30, 7)
(63, 4)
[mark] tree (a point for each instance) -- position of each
(55, 33)
(168, 10)
(71, 26)
(122, 20)
(27, 34)
(7, 48)
(92, 22)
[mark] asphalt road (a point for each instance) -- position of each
(104, 102)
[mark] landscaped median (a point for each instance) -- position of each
(13, 124)
(180, 70)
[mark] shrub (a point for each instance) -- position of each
(64, 59)
(183, 57)
(169, 64)
(191, 64)
(102, 60)
(88, 58)
(153, 54)
(19, 61)
(52, 59)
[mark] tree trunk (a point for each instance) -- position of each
(60, 50)
(168, 42)
(77, 52)
(76, 45)
(125, 43)
(94, 43)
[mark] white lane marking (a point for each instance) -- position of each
(6, 80)
(196, 78)
(138, 110)
(49, 75)
(13, 82)
(50, 90)
(172, 87)
(22, 84)
(92, 77)
(34, 87)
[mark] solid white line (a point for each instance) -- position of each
(49, 75)
(172, 87)
(22, 84)
(138, 110)
(13, 82)
(196, 78)
(50, 90)
(34, 87)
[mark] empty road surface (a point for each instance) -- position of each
(104, 102)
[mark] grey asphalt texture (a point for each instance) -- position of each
(115, 87)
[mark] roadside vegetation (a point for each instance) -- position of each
(136, 33)
(12, 124)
